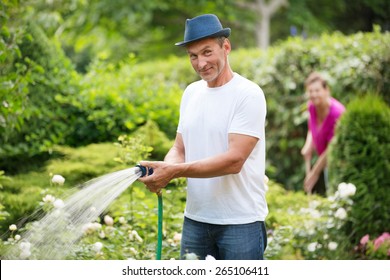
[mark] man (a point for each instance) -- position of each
(220, 149)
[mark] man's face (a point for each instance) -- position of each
(209, 58)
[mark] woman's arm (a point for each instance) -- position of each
(307, 152)
(314, 174)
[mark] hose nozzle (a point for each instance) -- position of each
(145, 171)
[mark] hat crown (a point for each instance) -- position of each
(203, 26)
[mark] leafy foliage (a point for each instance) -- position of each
(22, 192)
(111, 30)
(44, 113)
(15, 75)
(348, 62)
(128, 228)
(3, 214)
(117, 99)
(152, 136)
(360, 154)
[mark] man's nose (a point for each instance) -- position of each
(202, 62)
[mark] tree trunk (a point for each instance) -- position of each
(263, 31)
(266, 9)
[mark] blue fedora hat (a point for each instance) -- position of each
(204, 26)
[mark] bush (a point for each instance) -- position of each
(155, 138)
(376, 249)
(46, 115)
(3, 213)
(353, 68)
(308, 227)
(111, 100)
(21, 192)
(153, 90)
(360, 154)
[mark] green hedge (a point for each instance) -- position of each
(353, 64)
(45, 113)
(111, 100)
(360, 154)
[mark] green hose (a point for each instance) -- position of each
(160, 226)
(145, 171)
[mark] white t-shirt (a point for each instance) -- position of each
(207, 116)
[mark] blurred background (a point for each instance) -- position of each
(78, 76)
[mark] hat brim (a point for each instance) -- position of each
(224, 32)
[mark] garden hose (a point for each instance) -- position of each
(149, 171)
(160, 226)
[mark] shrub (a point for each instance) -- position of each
(154, 88)
(377, 249)
(155, 138)
(3, 213)
(21, 192)
(360, 154)
(46, 115)
(353, 68)
(308, 227)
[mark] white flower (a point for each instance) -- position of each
(177, 237)
(209, 258)
(191, 256)
(122, 220)
(326, 236)
(315, 214)
(102, 234)
(97, 247)
(17, 237)
(58, 204)
(341, 213)
(345, 190)
(134, 235)
(13, 227)
(314, 204)
(133, 251)
(332, 246)
(58, 179)
(312, 246)
(91, 228)
(49, 198)
(108, 220)
(25, 254)
(25, 246)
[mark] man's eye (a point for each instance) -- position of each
(208, 52)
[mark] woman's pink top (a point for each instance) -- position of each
(323, 133)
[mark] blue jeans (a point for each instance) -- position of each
(224, 242)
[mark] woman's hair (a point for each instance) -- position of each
(315, 77)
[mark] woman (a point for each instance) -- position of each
(324, 112)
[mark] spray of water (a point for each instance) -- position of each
(53, 237)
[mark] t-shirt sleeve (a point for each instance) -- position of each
(249, 118)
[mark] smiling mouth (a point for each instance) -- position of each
(205, 71)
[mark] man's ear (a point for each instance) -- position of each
(227, 46)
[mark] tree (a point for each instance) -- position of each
(266, 9)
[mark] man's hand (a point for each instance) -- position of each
(160, 178)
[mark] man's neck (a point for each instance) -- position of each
(222, 79)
